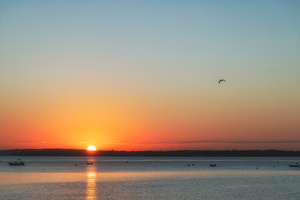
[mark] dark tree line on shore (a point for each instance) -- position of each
(180, 153)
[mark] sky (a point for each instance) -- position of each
(143, 75)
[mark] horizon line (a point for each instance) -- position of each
(150, 150)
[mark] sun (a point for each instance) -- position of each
(91, 148)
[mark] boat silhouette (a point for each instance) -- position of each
(294, 165)
(18, 162)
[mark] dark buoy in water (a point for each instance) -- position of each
(75, 164)
(188, 165)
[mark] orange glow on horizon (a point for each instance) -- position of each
(207, 123)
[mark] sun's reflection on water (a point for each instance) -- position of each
(91, 181)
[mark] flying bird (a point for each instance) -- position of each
(221, 81)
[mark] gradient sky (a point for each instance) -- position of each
(143, 75)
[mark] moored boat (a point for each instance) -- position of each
(18, 162)
(213, 165)
(89, 163)
(294, 165)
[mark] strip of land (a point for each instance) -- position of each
(181, 153)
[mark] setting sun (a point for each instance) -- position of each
(91, 148)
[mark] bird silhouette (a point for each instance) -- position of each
(221, 81)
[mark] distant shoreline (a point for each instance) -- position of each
(180, 153)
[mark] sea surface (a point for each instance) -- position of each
(150, 178)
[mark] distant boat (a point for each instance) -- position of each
(18, 162)
(294, 165)
(213, 165)
(89, 163)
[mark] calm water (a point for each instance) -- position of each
(149, 178)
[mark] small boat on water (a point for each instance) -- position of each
(89, 163)
(213, 165)
(18, 162)
(294, 165)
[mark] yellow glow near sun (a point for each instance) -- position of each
(91, 148)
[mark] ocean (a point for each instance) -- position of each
(150, 178)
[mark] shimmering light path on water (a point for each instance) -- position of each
(151, 186)
(91, 177)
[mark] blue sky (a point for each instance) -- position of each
(146, 53)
